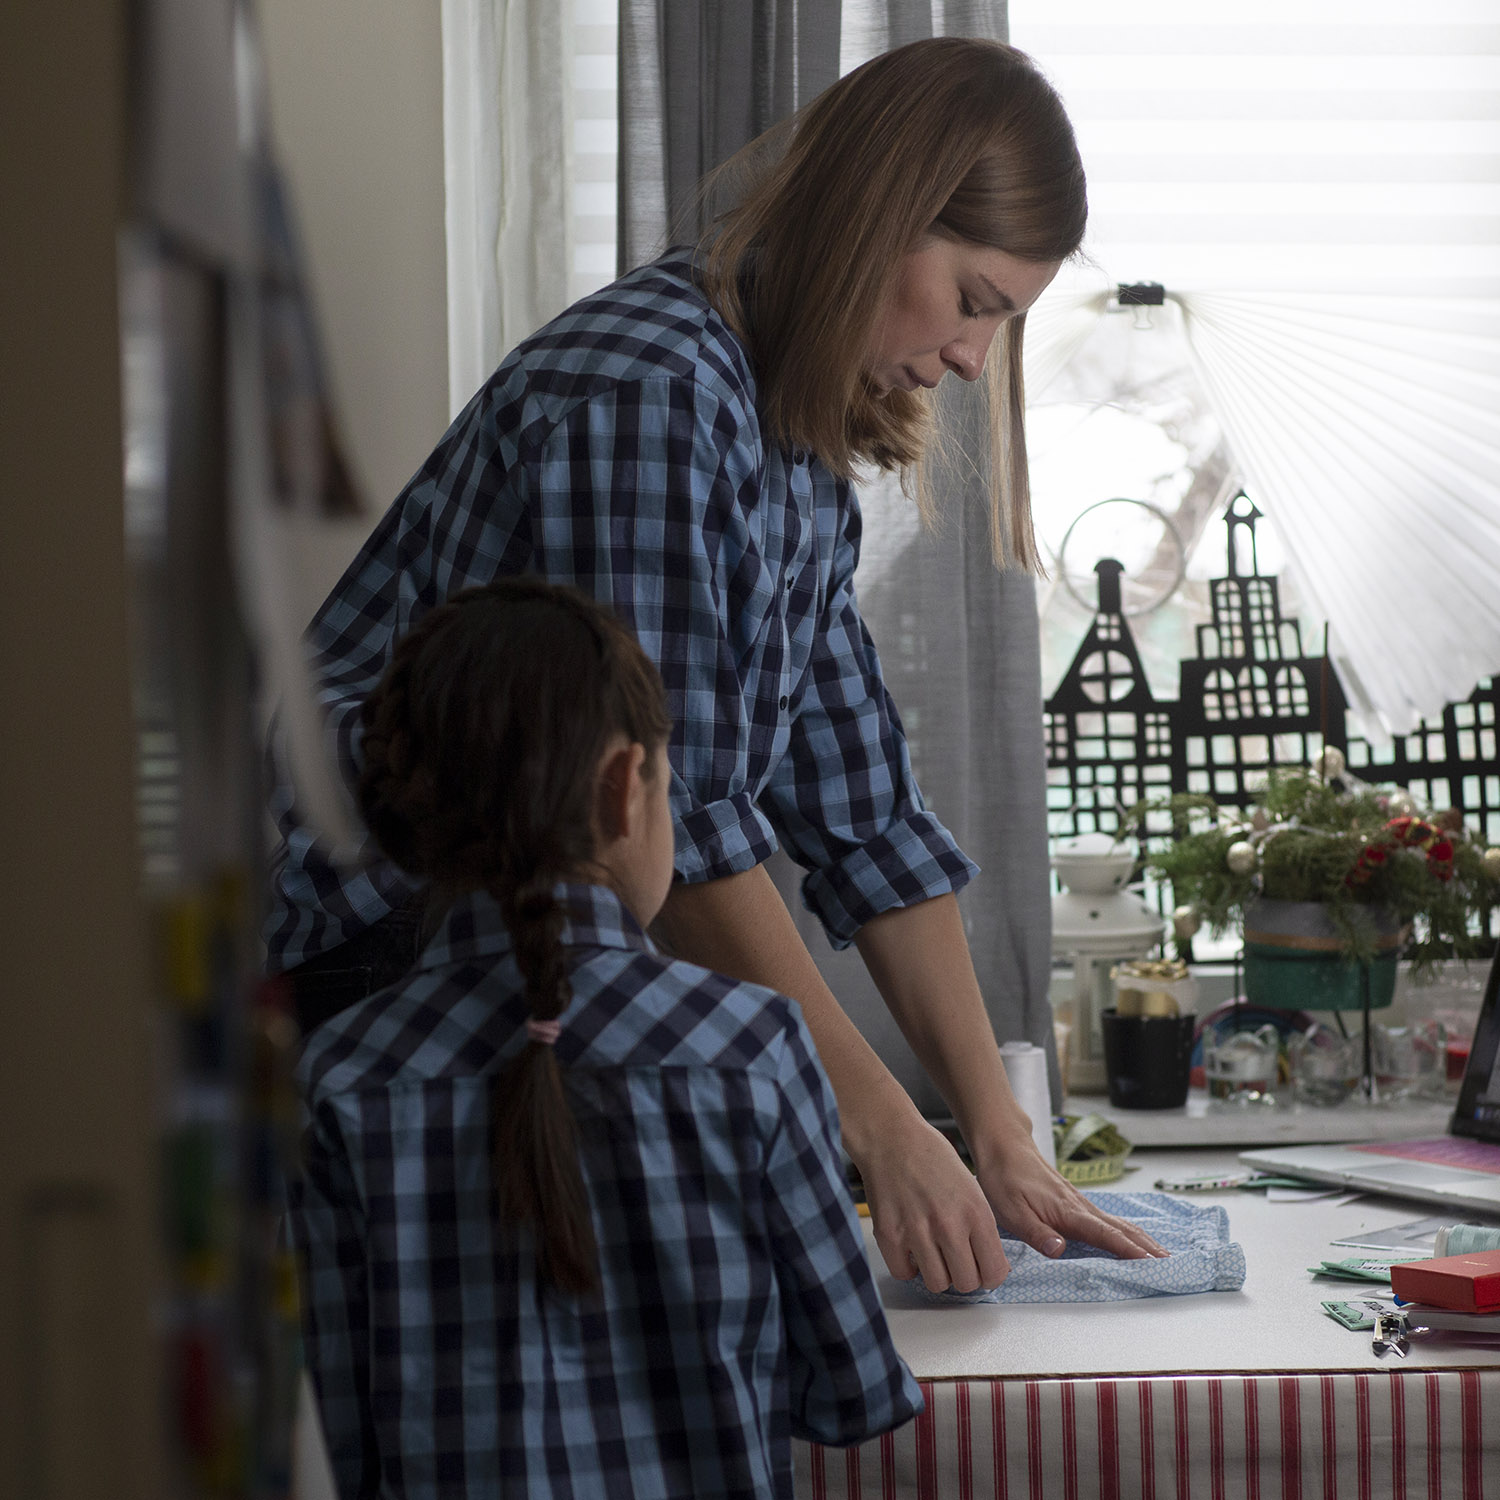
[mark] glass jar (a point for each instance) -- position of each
(1242, 1068)
(1409, 1061)
(1325, 1066)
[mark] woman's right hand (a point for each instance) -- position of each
(930, 1216)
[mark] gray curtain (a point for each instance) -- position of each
(698, 79)
(878, 25)
(958, 641)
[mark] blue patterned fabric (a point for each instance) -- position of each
(737, 1305)
(1203, 1258)
(619, 450)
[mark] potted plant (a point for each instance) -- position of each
(1329, 880)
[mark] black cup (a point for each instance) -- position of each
(1147, 1059)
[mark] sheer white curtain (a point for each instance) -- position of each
(508, 152)
(1317, 184)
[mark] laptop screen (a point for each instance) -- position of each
(1478, 1111)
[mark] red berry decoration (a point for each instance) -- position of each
(1405, 833)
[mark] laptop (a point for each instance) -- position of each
(1460, 1170)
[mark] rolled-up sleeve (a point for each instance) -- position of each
(843, 798)
(647, 496)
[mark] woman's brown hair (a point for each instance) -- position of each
(948, 136)
(481, 747)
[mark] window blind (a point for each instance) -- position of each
(595, 143)
(1317, 185)
(1324, 145)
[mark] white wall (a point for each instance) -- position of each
(356, 94)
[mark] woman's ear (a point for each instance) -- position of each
(617, 791)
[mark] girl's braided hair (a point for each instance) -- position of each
(481, 747)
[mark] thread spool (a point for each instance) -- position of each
(1465, 1239)
(1026, 1069)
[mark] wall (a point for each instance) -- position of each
(356, 97)
(79, 1391)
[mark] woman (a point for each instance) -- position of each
(681, 446)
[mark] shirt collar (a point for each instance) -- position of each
(594, 917)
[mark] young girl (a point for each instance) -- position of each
(573, 1219)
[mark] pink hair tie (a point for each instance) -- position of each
(545, 1032)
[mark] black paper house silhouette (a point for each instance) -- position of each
(1250, 700)
(1109, 742)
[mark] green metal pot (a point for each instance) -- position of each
(1293, 959)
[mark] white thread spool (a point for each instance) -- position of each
(1026, 1068)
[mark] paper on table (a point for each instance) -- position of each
(1415, 1234)
(1309, 1195)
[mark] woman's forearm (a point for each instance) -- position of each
(740, 926)
(919, 959)
(930, 1215)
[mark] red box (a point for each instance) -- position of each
(1465, 1283)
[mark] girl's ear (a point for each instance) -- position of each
(617, 791)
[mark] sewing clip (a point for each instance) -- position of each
(1389, 1336)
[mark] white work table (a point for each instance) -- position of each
(1274, 1323)
(1181, 1395)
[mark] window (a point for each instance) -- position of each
(595, 143)
(1229, 617)
(1158, 737)
(1317, 185)
(1221, 700)
(1056, 729)
(1291, 692)
(1260, 599)
(1106, 676)
(1255, 693)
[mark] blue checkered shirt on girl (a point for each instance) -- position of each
(619, 450)
(737, 1307)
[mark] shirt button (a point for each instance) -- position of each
(783, 700)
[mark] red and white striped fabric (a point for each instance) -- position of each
(1348, 1436)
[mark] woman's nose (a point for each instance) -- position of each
(966, 358)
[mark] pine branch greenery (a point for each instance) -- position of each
(1354, 848)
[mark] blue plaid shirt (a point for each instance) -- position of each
(619, 450)
(737, 1305)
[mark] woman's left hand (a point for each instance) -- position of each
(1035, 1203)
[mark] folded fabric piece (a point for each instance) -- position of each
(1203, 1258)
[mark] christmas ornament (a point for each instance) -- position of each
(1400, 805)
(1329, 763)
(1339, 843)
(1185, 923)
(1405, 832)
